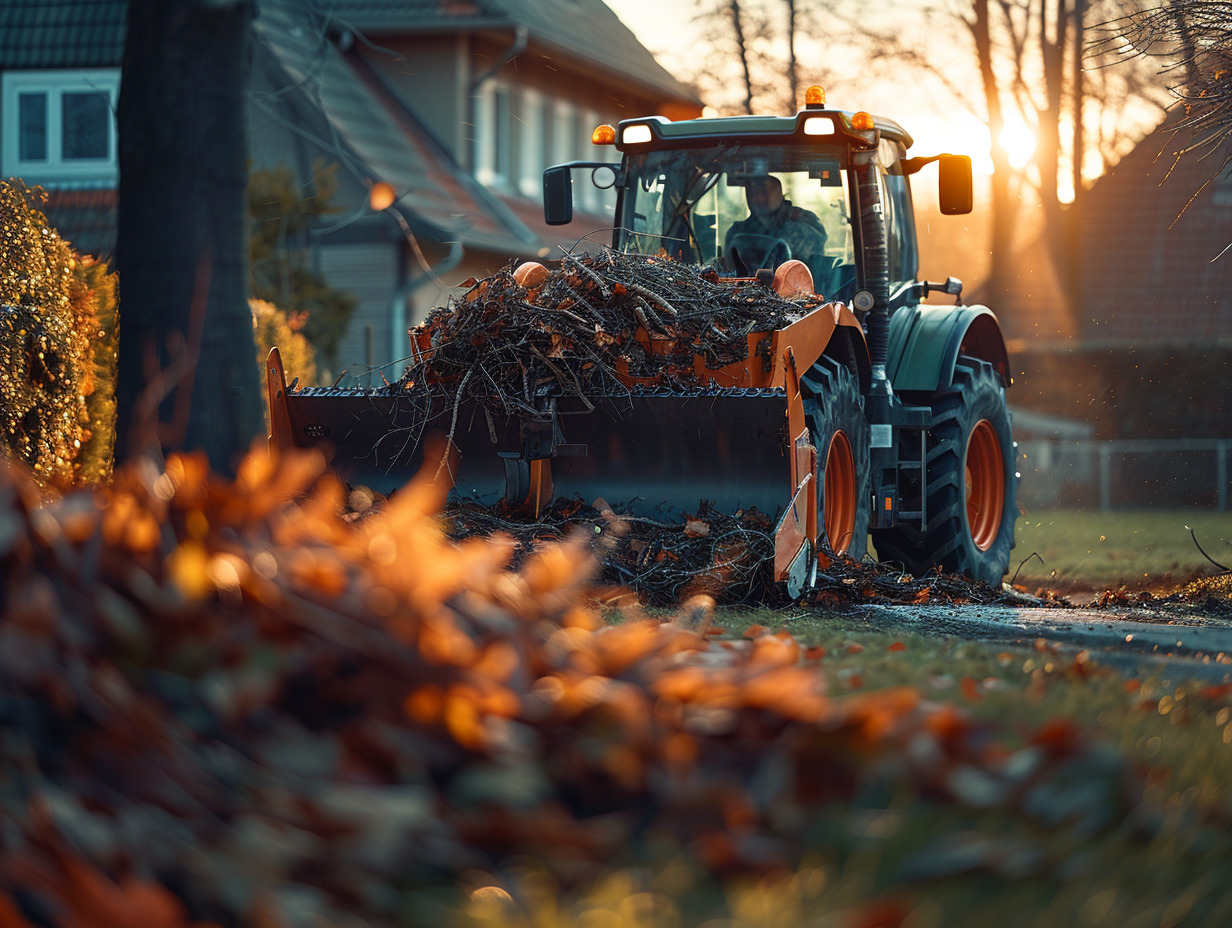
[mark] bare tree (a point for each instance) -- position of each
(762, 38)
(742, 50)
(1193, 41)
(182, 232)
(1031, 63)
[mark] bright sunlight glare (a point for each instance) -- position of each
(1018, 142)
(959, 135)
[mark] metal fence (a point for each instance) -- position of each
(1171, 473)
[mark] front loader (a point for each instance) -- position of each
(858, 410)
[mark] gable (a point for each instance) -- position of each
(585, 30)
(1155, 247)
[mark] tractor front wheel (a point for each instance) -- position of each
(840, 434)
(970, 496)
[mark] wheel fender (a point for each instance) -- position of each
(925, 342)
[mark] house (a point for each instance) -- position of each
(1156, 263)
(1143, 356)
(1147, 347)
(458, 107)
(59, 84)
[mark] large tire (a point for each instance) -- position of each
(839, 431)
(972, 485)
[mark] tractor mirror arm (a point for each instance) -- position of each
(920, 289)
(953, 181)
(558, 187)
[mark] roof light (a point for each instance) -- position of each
(862, 121)
(637, 134)
(815, 96)
(603, 135)
(818, 125)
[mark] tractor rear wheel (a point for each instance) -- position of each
(970, 499)
(839, 432)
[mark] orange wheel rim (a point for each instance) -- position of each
(985, 484)
(839, 519)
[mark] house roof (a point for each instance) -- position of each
(376, 137)
(61, 33)
(584, 29)
(1156, 261)
(85, 218)
(365, 122)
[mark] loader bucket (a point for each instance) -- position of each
(663, 454)
(654, 455)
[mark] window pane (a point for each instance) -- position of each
(502, 132)
(86, 123)
(32, 122)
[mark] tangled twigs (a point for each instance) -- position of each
(729, 557)
(725, 556)
(536, 343)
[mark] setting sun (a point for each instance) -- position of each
(1018, 142)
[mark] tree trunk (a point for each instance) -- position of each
(742, 48)
(1004, 212)
(187, 377)
(1052, 50)
(793, 68)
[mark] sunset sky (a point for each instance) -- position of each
(936, 124)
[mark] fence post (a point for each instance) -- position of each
(1105, 476)
(1221, 476)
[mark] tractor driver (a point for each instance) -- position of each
(772, 217)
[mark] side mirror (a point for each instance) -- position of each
(954, 184)
(557, 195)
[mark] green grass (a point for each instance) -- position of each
(1100, 550)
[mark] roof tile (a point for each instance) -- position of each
(61, 33)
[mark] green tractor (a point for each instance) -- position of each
(875, 413)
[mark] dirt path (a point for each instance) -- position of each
(1180, 638)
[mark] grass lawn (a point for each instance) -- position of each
(950, 866)
(1101, 550)
(1071, 857)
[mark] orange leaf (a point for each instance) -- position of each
(696, 528)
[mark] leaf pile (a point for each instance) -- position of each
(575, 332)
(222, 707)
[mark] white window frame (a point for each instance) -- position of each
(55, 84)
(564, 133)
(488, 168)
(533, 160)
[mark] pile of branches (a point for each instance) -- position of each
(727, 556)
(504, 346)
(221, 707)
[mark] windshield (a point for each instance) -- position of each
(743, 207)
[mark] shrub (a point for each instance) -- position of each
(271, 327)
(58, 330)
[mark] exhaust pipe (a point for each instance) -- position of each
(876, 299)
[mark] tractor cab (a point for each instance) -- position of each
(748, 193)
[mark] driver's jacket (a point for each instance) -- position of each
(799, 228)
